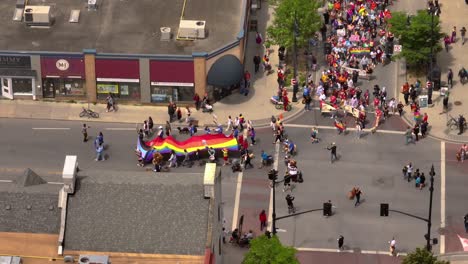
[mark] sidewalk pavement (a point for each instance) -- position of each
(452, 15)
(255, 107)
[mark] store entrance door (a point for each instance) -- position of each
(48, 89)
(7, 88)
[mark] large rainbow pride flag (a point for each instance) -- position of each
(194, 143)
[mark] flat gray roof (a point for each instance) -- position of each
(138, 212)
(122, 26)
(43, 215)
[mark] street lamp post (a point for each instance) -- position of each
(296, 33)
(429, 222)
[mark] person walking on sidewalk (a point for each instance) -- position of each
(332, 149)
(461, 124)
(463, 33)
(450, 78)
(340, 242)
(257, 60)
(357, 194)
(84, 131)
(263, 220)
(170, 111)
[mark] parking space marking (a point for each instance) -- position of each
(121, 128)
(442, 195)
(51, 128)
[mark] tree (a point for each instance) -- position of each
(281, 32)
(264, 250)
(414, 34)
(422, 256)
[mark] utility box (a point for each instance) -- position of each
(93, 259)
(69, 173)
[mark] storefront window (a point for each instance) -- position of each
(63, 87)
(164, 94)
(22, 85)
(130, 91)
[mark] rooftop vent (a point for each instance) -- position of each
(74, 16)
(165, 33)
(93, 259)
(29, 178)
(192, 29)
(37, 15)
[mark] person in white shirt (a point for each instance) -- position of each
(392, 105)
(392, 246)
(229, 124)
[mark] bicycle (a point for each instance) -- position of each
(89, 113)
(452, 123)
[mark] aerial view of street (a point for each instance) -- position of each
(221, 131)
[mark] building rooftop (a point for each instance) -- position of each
(139, 213)
(43, 215)
(122, 26)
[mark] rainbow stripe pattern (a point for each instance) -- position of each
(194, 143)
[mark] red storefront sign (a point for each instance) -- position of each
(172, 72)
(114, 70)
(62, 67)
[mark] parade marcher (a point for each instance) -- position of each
(408, 135)
(409, 171)
(289, 201)
(277, 136)
(173, 160)
(99, 152)
(157, 160)
(465, 220)
(416, 131)
(186, 161)
(392, 246)
(314, 135)
(84, 131)
(171, 111)
(423, 126)
(226, 156)
(400, 108)
(247, 157)
(252, 136)
(332, 149)
(340, 242)
(357, 194)
(99, 140)
(141, 162)
(358, 129)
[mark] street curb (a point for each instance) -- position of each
(262, 123)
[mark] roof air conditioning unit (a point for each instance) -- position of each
(10, 260)
(37, 15)
(93, 259)
(165, 33)
(193, 29)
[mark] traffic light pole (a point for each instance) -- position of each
(429, 219)
(273, 216)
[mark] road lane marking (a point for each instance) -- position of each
(121, 128)
(6, 181)
(270, 206)
(348, 128)
(51, 128)
(334, 250)
(56, 183)
(442, 195)
(237, 200)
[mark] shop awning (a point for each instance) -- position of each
(17, 72)
(226, 71)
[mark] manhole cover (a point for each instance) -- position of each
(457, 103)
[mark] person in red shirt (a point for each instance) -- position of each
(425, 117)
(285, 103)
(247, 79)
(263, 219)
